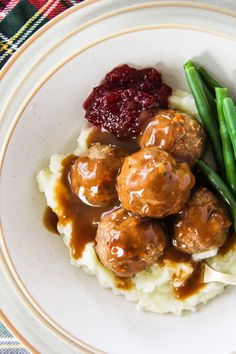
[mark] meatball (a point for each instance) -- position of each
(177, 133)
(151, 183)
(128, 244)
(202, 225)
(93, 175)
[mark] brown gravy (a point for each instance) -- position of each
(84, 220)
(50, 220)
(124, 283)
(172, 254)
(100, 136)
(193, 284)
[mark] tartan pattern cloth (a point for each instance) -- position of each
(19, 19)
(8, 344)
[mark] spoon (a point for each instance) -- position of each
(211, 275)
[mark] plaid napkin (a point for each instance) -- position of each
(19, 19)
(8, 344)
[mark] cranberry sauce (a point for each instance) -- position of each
(123, 99)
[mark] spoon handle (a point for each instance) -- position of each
(211, 275)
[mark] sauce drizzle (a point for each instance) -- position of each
(99, 135)
(84, 220)
(172, 254)
(50, 220)
(193, 284)
(123, 283)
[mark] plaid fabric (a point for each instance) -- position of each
(21, 18)
(8, 344)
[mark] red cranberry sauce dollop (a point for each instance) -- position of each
(117, 104)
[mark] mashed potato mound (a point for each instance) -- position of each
(152, 289)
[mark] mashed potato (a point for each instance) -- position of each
(152, 289)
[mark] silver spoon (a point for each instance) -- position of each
(211, 275)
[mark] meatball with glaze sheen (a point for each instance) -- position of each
(175, 132)
(93, 175)
(202, 225)
(151, 183)
(128, 244)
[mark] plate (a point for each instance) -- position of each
(55, 307)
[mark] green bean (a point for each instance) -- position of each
(228, 153)
(230, 118)
(209, 80)
(220, 187)
(210, 96)
(205, 112)
(211, 100)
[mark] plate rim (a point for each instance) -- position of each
(87, 3)
(166, 3)
(78, 343)
(19, 337)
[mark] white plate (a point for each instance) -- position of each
(41, 114)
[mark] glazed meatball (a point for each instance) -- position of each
(202, 225)
(128, 244)
(151, 183)
(93, 175)
(177, 133)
